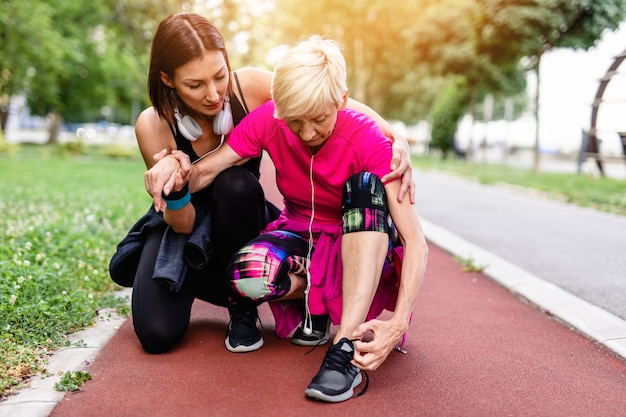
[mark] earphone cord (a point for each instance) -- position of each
(307, 325)
(210, 152)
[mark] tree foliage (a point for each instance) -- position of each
(383, 70)
(248, 28)
(27, 35)
(401, 54)
(76, 62)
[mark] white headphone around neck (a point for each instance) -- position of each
(191, 130)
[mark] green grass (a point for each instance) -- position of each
(72, 381)
(605, 194)
(469, 264)
(61, 220)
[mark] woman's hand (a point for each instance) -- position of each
(401, 167)
(164, 176)
(377, 339)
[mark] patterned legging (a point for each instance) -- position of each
(260, 270)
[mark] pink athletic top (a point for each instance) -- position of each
(348, 151)
(356, 145)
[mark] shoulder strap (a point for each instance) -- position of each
(243, 99)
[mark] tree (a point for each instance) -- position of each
(73, 61)
(468, 38)
(401, 54)
(545, 24)
(26, 33)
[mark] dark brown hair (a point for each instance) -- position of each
(180, 38)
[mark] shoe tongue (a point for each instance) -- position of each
(346, 346)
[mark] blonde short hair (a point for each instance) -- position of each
(309, 79)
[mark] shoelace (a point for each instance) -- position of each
(367, 383)
(337, 359)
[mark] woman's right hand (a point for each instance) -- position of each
(169, 173)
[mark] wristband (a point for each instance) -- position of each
(178, 199)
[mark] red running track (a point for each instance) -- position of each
(473, 350)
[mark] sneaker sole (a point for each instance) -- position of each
(244, 348)
(318, 342)
(319, 395)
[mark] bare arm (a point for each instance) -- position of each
(387, 334)
(401, 158)
(181, 220)
(156, 142)
(153, 136)
(204, 172)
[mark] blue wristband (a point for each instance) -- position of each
(177, 202)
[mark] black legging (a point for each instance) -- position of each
(239, 213)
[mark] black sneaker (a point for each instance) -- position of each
(243, 335)
(337, 377)
(319, 336)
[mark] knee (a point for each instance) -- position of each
(364, 190)
(260, 270)
(364, 204)
(251, 274)
(154, 339)
(236, 182)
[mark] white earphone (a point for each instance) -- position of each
(187, 126)
(191, 130)
(223, 121)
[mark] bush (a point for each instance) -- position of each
(72, 148)
(448, 108)
(119, 151)
(6, 148)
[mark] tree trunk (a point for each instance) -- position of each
(4, 112)
(54, 124)
(4, 116)
(536, 154)
(469, 152)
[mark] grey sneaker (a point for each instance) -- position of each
(319, 336)
(243, 335)
(337, 377)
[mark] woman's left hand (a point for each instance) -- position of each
(401, 167)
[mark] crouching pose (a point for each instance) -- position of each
(344, 248)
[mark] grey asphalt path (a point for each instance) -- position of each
(568, 260)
